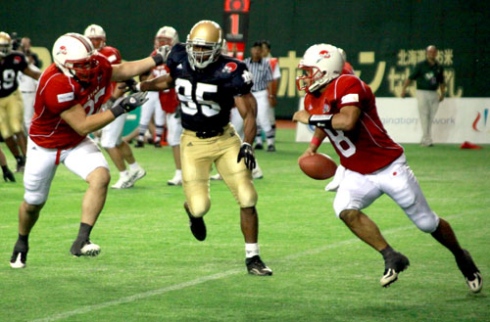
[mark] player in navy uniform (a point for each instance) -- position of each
(208, 85)
(11, 105)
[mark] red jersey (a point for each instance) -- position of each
(113, 56)
(168, 98)
(348, 69)
(57, 93)
(368, 147)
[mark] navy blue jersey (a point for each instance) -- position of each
(207, 95)
(10, 66)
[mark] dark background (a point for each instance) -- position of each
(379, 26)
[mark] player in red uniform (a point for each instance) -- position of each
(111, 137)
(342, 107)
(68, 107)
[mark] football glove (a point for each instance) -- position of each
(130, 85)
(161, 55)
(129, 103)
(247, 154)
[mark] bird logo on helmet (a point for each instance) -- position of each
(321, 64)
(73, 54)
(204, 43)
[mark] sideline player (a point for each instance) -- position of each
(68, 105)
(111, 138)
(11, 105)
(208, 85)
(375, 164)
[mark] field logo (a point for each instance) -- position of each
(480, 122)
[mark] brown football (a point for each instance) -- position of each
(318, 166)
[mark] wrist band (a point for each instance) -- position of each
(321, 120)
(158, 59)
(315, 141)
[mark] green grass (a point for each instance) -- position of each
(152, 269)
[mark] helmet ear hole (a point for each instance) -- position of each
(204, 43)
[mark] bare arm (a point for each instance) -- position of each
(407, 83)
(247, 107)
(84, 124)
(32, 73)
(130, 69)
(157, 84)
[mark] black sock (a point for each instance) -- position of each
(84, 231)
(387, 252)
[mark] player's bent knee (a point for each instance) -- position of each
(247, 197)
(34, 198)
(349, 215)
(198, 206)
(427, 223)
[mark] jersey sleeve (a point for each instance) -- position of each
(59, 96)
(350, 91)
(241, 81)
(174, 58)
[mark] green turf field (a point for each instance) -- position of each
(152, 269)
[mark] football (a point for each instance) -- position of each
(318, 166)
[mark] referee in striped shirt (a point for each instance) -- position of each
(261, 89)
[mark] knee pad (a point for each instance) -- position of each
(198, 206)
(35, 197)
(247, 196)
(427, 222)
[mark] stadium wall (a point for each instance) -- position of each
(383, 39)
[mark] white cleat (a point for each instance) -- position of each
(124, 182)
(137, 174)
(90, 250)
(19, 262)
(217, 176)
(475, 285)
(175, 181)
(257, 173)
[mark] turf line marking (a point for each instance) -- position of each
(204, 279)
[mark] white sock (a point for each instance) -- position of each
(251, 250)
(134, 166)
(178, 173)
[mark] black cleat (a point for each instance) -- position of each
(8, 175)
(471, 273)
(258, 146)
(197, 225)
(271, 148)
(256, 266)
(139, 144)
(393, 266)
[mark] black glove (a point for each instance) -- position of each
(247, 154)
(129, 103)
(161, 55)
(130, 85)
(8, 175)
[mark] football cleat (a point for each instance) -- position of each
(136, 174)
(393, 266)
(258, 146)
(471, 273)
(85, 248)
(197, 225)
(139, 144)
(257, 173)
(175, 181)
(216, 177)
(19, 255)
(271, 148)
(124, 182)
(256, 266)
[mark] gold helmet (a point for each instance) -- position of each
(204, 43)
(5, 44)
